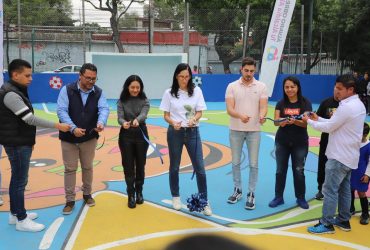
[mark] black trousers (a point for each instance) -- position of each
(322, 161)
(133, 152)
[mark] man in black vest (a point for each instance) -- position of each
(17, 135)
(83, 106)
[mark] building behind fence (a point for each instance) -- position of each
(51, 47)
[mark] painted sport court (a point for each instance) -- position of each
(153, 225)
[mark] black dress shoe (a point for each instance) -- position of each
(139, 198)
(131, 201)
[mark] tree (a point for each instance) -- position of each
(129, 20)
(224, 20)
(117, 8)
(347, 20)
(39, 12)
(173, 12)
(36, 12)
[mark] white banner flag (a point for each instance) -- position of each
(1, 45)
(275, 41)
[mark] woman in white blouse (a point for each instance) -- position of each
(183, 104)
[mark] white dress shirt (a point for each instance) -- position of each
(345, 129)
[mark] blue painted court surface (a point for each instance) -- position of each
(156, 188)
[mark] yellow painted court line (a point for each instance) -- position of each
(71, 242)
(268, 238)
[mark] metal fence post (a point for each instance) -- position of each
(33, 49)
(302, 36)
(186, 29)
(19, 29)
(83, 30)
(245, 33)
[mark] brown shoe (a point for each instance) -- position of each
(89, 200)
(68, 207)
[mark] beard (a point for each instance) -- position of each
(248, 78)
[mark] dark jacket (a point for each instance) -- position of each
(13, 130)
(85, 117)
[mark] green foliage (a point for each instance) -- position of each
(117, 9)
(166, 10)
(39, 12)
(224, 19)
(129, 20)
(350, 18)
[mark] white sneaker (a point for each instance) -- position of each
(207, 210)
(176, 203)
(13, 218)
(1, 201)
(28, 225)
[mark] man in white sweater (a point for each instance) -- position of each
(343, 152)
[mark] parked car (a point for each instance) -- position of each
(66, 69)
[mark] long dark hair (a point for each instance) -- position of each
(175, 84)
(125, 94)
(301, 99)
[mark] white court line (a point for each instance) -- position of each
(271, 136)
(46, 109)
(243, 231)
(218, 228)
(49, 235)
(83, 214)
(204, 113)
(289, 215)
(214, 113)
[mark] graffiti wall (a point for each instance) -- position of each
(50, 55)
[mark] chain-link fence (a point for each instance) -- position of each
(217, 38)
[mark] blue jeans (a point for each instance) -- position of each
(298, 154)
(336, 190)
(19, 158)
(189, 137)
(252, 140)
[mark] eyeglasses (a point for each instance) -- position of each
(89, 79)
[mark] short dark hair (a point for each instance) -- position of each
(366, 129)
(347, 80)
(249, 61)
(88, 66)
(18, 65)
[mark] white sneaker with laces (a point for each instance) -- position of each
(176, 203)
(13, 218)
(28, 225)
(207, 210)
(1, 201)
